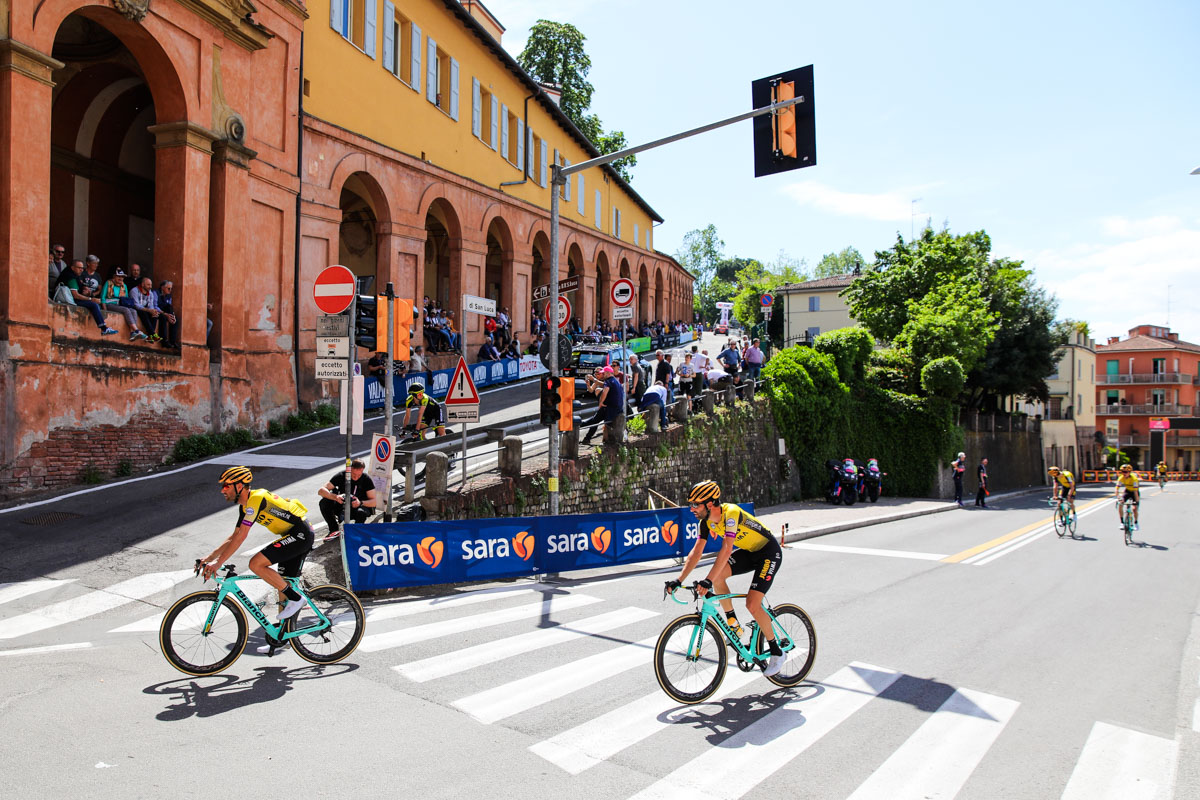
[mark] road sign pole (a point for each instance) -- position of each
(556, 180)
(463, 349)
(389, 393)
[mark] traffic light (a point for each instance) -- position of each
(365, 326)
(402, 327)
(785, 119)
(566, 406)
(785, 139)
(551, 400)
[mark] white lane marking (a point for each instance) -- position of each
(413, 607)
(436, 630)
(92, 603)
(281, 461)
(1196, 716)
(938, 758)
(1121, 764)
(15, 591)
(867, 551)
(991, 555)
(745, 759)
(525, 693)
(598, 739)
(52, 648)
(256, 591)
(490, 652)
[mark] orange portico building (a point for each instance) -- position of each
(200, 140)
(1151, 373)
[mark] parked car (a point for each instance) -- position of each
(721, 329)
(587, 358)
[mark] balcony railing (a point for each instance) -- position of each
(1136, 440)
(1183, 441)
(1143, 377)
(1165, 410)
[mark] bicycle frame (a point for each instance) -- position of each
(709, 608)
(224, 589)
(1127, 514)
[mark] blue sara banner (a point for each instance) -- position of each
(393, 555)
(437, 382)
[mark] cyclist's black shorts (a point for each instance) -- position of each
(432, 415)
(1127, 494)
(290, 550)
(764, 563)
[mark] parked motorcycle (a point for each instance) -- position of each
(843, 480)
(871, 482)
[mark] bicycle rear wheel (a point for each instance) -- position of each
(792, 625)
(323, 643)
(184, 642)
(689, 662)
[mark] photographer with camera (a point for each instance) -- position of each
(333, 498)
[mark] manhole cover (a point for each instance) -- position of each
(51, 518)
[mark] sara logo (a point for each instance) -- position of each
(670, 531)
(598, 540)
(523, 545)
(430, 550)
(601, 538)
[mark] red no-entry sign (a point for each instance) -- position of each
(334, 289)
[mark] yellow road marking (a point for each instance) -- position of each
(1008, 537)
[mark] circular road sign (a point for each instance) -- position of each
(334, 289)
(766, 300)
(622, 292)
(383, 450)
(564, 311)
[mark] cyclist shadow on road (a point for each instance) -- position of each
(216, 694)
(732, 715)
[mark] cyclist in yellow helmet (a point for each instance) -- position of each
(1127, 487)
(757, 551)
(283, 517)
(1063, 482)
(431, 410)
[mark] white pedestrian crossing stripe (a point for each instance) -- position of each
(15, 591)
(1120, 764)
(257, 591)
(90, 604)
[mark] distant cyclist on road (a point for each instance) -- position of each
(757, 551)
(1127, 487)
(283, 517)
(431, 414)
(1064, 483)
(1161, 470)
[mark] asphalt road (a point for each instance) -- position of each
(969, 653)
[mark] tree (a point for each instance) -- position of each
(841, 263)
(702, 250)
(554, 54)
(952, 319)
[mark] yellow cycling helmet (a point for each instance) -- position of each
(704, 491)
(1052, 470)
(1126, 468)
(237, 475)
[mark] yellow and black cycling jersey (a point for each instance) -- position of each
(745, 529)
(1129, 481)
(276, 514)
(1065, 479)
(1162, 469)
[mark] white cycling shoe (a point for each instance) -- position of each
(290, 609)
(774, 664)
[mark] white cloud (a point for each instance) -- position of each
(1117, 285)
(886, 207)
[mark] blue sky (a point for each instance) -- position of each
(1066, 130)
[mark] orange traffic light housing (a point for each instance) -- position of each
(784, 139)
(566, 404)
(784, 129)
(401, 326)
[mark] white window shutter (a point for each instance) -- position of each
(635, 234)
(599, 211)
(495, 119)
(567, 185)
(545, 158)
(504, 130)
(529, 172)
(389, 37)
(582, 209)
(476, 108)
(521, 144)
(416, 58)
(431, 65)
(369, 36)
(337, 16)
(454, 90)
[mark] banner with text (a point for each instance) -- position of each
(437, 382)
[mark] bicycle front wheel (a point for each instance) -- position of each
(330, 640)
(1060, 522)
(792, 625)
(191, 649)
(690, 661)
(1073, 522)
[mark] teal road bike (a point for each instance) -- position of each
(1064, 519)
(690, 657)
(1127, 520)
(206, 631)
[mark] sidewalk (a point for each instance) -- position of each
(811, 518)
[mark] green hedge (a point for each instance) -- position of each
(821, 418)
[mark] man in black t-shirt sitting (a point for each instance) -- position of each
(333, 498)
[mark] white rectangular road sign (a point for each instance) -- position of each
(479, 305)
(333, 347)
(333, 369)
(724, 304)
(566, 285)
(622, 312)
(352, 405)
(333, 325)
(462, 413)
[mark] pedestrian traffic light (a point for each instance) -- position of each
(551, 400)
(401, 328)
(784, 139)
(365, 326)
(566, 405)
